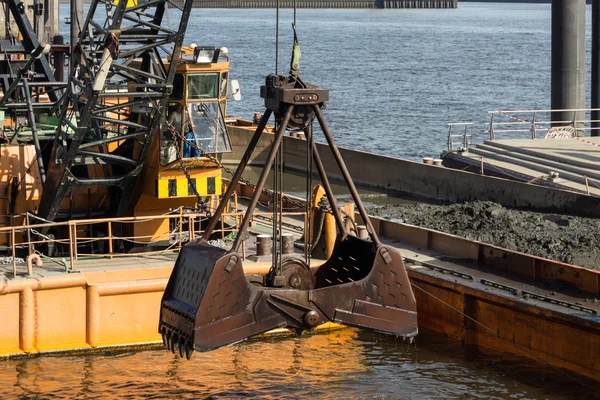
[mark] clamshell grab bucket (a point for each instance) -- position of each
(209, 303)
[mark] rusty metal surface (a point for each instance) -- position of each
(209, 302)
(551, 295)
(499, 320)
(491, 258)
(550, 320)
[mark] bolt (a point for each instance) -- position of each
(311, 318)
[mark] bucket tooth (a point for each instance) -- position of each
(188, 351)
(168, 338)
(174, 343)
(210, 303)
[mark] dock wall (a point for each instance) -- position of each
(381, 4)
(404, 177)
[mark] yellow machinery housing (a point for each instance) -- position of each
(196, 111)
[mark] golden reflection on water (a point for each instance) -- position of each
(250, 367)
(347, 364)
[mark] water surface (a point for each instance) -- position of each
(397, 77)
(343, 364)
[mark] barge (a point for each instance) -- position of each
(479, 294)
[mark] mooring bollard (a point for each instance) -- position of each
(263, 245)
(361, 232)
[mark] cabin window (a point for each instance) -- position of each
(178, 82)
(223, 88)
(205, 130)
(167, 148)
(202, 86)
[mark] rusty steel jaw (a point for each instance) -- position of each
(209, 303)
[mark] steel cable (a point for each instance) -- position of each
(503, 338)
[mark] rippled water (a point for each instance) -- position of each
(343, 364)
(396, 76)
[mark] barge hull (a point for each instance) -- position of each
(446, 272)
(404, 177)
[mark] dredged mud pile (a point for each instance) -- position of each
(574, 240)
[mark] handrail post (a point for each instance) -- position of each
(110, 241)
(14, 251)
(72, 244)
(465, 142)
(191, 219)
(492, 127)
(75, 240)
(201, 217)
(67, 268)
(449, 137)
(29, 247)
(533, 132)
(180, 229)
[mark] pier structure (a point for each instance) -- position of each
(416, 4)
(568, 60)
(325, 3)
(595, 78)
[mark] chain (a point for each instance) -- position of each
(201, 203)
(216, 161)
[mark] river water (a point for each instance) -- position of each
(342, 364)
(396, 78)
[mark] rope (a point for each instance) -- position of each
(519, 119)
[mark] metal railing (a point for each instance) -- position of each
(465, 136)
(536, 122)
(187, 227)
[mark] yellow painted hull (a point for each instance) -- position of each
(88, 311)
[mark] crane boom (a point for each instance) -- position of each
(121, 75)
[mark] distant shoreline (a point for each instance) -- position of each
(459, 1)
(513, 1)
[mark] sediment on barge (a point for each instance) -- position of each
(570, 239)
